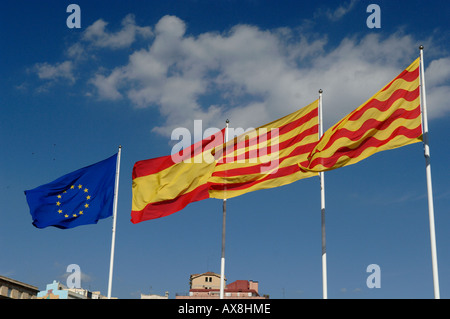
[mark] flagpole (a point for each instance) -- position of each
(113, 241)
(224, 214)
(322, 209)
(429, 185)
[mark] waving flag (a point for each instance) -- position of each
(267, 156)
(165, 185)
(390, 119)
(78, 198)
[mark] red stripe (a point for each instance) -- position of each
(382, 105)
(257, 168)
(406, 75)
(151, 166)
(281, 130)
(253, 154)
(155, 165)
(368, 142)
(372, 124)
(168, 207)
(283, 171)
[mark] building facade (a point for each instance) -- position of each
(154, 296)
(57, 290)
(14, 289)
(207, 286)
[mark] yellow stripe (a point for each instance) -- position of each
(277, 156)
(270, 145)
(276, 182)
(396, 142)
(384, 95)
(378, 134)
(374, 114)
(168, 184)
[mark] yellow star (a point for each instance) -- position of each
(80, 186)
(60, 211)
(74, 215)
(81, 212)
(72, 187)
(88, 197)
(59, 196)
(85, 190)
(66, 215)
(86, 205)
(58, 203)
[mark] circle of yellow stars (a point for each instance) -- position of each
(80, 212)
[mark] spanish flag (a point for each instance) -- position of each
(266, 157)
(389, 119)
(164, 185)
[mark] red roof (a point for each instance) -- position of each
(236, 286)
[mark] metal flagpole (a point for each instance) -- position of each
(429, 185)
(322, 209)
(116, 190)
(224, 213)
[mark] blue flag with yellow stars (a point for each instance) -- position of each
(78, 198)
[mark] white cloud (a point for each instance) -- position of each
(248, 75)
(46, 71)
(97, 35)
(107, 86)
(339, 12)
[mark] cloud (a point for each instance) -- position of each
(97, 36)
(46, 71)
(339, 12)
(254, 75)
(247, 75)
(84, 278)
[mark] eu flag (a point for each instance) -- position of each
(78, 198)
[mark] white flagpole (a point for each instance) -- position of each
(116, 193)
(429, 185)
(224, 213)
(322, 209)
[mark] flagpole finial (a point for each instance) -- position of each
(320, 91)
(421, 47)
(227, 121)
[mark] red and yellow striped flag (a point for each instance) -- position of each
(267, 156)
(390, 119)
(164, 185)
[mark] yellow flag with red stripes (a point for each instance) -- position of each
(266, 157)
(388, 120)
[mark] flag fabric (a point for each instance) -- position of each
(267, 156)
(388, 120)
(165, 185)
(79, 198)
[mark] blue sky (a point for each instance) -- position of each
(136, 70)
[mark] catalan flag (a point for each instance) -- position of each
(78, 198)
(389, 119)
(267, 156)
(164, 185)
